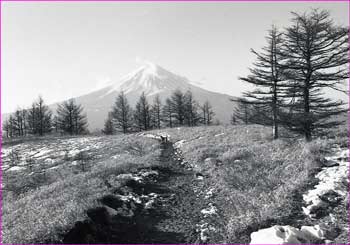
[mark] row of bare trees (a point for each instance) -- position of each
(180, 109)
(292, 73)
(39, 120)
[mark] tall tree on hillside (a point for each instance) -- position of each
(317, 53)
(24, 114)
(32, 119)
(122, 114)
(56, 123)
(242, 111)
(142, 113)
(43, 117)
(108, 125)
(267, 76)
(71, 118)
(178, 106)
(190, 109)
(167, 113)
(39, 118)
(233, 120)
(156, 112)
(80, 120)
(12, 126)
(207, 113)
(19, 122)
(7, 128)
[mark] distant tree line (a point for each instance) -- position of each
(38, 120)
(291, 73)
(180, 109)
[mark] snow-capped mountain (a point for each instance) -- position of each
(153, 80)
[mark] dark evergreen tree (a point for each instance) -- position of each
(317, 53)
(267, 76)
(32, 119)
(156, 112)
(178, 107)
(71, 118)
(233, 120)
(6, 128)
(167, 113)
(142, 114)
(242, 111)
(39, 118)
(207, 113)
(43, 117)
(191, 115)
(122, 114)
(108, 125)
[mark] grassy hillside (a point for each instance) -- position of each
(67, 177)
(256, 182)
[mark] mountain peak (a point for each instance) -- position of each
(150, 68)
(151, 79)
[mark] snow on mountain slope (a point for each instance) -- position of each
(151, 79)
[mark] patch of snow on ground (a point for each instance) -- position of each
(129, 176)
(209, 193)
(330, 180)
(211, 210)
(115, 156)
(152, 136)
(42, 152)
(205, 230)
(5, 151)
(73, 152)
(16, 168)
(179, 144)
(217, 135)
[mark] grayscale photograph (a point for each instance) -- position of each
(174, 122)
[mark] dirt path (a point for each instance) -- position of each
(172, 219)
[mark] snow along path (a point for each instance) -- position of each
(170, 215)
(319, 202)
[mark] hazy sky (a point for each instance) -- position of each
(62, 49)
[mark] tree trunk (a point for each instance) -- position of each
(306, 120)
